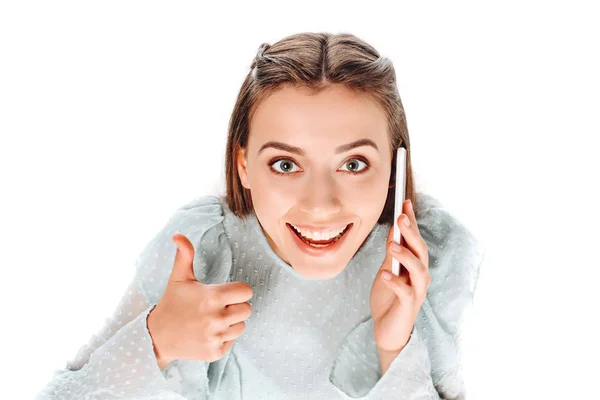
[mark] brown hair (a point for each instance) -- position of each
(316, 61)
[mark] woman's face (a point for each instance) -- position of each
(315, 188)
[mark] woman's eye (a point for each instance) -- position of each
(353, 163)
(285, 164)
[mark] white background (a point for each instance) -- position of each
(113, 114)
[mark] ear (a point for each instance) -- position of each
(242, 167)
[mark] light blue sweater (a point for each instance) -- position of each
(305, 339)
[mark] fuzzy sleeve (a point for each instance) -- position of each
(118, 362)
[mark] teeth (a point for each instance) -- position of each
(319, 235)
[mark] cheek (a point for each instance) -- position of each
(268, 184)
(280, 190)
(373, 181)
(367, 199)
(272, 197)
(363, 190)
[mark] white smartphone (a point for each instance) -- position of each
(399, 199)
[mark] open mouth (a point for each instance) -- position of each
(320, 243)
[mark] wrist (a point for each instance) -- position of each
(154, 332)
(387, 352)
(386, 357)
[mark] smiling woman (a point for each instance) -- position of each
(330, 178)
(304, 232)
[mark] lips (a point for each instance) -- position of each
(313, 241)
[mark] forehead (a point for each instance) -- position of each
(335, 113)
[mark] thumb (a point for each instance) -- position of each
(183, 266)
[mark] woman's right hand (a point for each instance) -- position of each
(195, 321)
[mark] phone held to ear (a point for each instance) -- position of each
(399, 200)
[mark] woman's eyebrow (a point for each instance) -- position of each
(297, 150)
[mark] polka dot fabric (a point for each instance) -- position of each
(305, 339)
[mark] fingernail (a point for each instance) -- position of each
(386, 275)
(410, 203)
(396, 247)
(406, 220)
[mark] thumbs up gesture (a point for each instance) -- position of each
(195, 321)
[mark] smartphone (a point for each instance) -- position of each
(399, 199)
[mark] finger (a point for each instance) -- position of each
(235, 313)
(233, 332)
(387, 261)
(398, 286)
(183, 266)
(424, 253)
(233, 292)
(409, 210)
(418, 274)
(412, 236)
(226, 346)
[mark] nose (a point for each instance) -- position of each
(320, 197)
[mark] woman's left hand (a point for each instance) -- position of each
(395, 304)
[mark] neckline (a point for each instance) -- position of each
(274, 257)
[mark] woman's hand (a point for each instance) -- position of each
(395, 303)
(196, 321)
